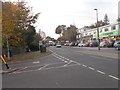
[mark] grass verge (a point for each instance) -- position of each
(28, 56)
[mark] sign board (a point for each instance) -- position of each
(107, 34)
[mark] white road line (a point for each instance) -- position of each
(67, 63)
(56, 55)
(23, 71)
(35, 62)
(100, 72)
(91, 68)
(114, 77)
(84, 65)
(59, 58)
(62, 57)
(43, 67)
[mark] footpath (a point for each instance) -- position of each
(21, 58)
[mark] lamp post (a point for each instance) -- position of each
(8, 48)
(97, 29)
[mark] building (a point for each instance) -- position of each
(108, 32)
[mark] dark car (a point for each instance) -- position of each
(117, 45)
(93, 44)
(111, 44)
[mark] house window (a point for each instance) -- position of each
(94, 32)
(106, 29)
(113, 28)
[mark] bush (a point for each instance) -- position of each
(34, 47)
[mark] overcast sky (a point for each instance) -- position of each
(65, 12)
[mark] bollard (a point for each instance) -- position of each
(4, 62)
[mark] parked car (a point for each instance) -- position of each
(93, 44)
(87, 44)
(104, 44)
(58, 46)
(81, 44)
(66, 44)
(111, 44)
(72, 44)
(117, 45)
(76, 44)
(47, 45)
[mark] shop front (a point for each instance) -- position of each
(107, 36)
(87, 39)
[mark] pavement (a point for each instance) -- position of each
(8, 70)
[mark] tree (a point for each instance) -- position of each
(29, 35)
(70, 34)
(18, 24)
(17, 20)
(106, 19)
(60, 29)
(34, 45)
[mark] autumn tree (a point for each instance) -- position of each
(17, 23)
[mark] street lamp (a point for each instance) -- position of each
(8, 48)
(97, 29)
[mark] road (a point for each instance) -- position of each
(67, 67)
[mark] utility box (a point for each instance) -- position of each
(42, 48)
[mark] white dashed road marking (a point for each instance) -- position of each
(67, 61)
(100, 72)
(113, 77)
(86, 66)
(91, 68)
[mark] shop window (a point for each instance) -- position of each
(106, 29)
(113, 28)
